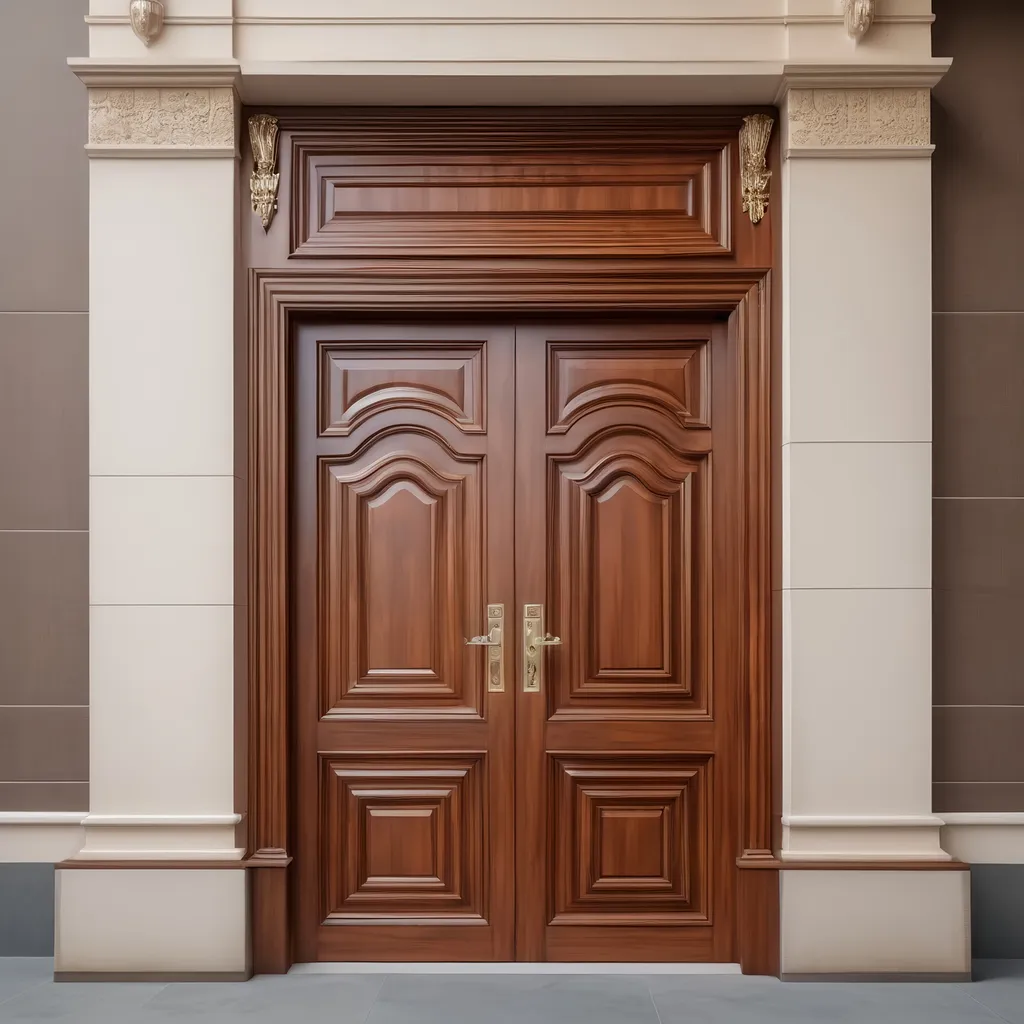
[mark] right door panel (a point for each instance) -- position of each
(628, 549)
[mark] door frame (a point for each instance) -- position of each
(640, 287)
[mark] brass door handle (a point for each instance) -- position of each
(494, 641)
(486, 640)
(547, 640)
(534, 642)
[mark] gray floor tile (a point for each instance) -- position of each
(86, 1003)
(999, 986)
(504, 999)
(736, 1001)
(19, 974)
(338, 999)
(997, 995)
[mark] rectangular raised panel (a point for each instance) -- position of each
(631, 837)
(630, 575)
(357, 383)
(444, 184)
(403, 838)
(674, 380)
(401, 575)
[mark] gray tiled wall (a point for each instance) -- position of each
(979, 412)
(44, 497)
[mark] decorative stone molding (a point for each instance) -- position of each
(175, 120)
(859, 16)
(852, 119)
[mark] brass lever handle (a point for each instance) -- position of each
(487, 640)
(547, 640)
(534, 641)
(494, 641)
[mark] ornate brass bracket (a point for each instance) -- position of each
(265, 178)
(754, 173)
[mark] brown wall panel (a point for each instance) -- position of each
(44, 619)
(40, 744)
(44, 203)
(44, 458)
(978, 610)
(980, 744)
(44, 796)
(978, 201)
(978, 416)
(44, 421)
(979, 797)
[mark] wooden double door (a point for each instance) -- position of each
(563, 495)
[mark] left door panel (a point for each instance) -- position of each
(402, 536)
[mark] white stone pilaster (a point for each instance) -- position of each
(856, 572)
(163, 200)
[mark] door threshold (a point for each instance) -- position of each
(487, 967)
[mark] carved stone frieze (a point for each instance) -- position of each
(845, 118)
(196, 118)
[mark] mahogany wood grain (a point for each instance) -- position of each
(404, 697)
(757, 933)
(509, 183)
(627, 538)
(402, 535)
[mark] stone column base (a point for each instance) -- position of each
(905, 924)
(151, 922)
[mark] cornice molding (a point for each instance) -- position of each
(915, 75)
(300, 82)
(131, 74)
(284, 21)
(858, 153)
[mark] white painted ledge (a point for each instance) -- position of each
(160, 820)
(862, 837)
(160, 837)
(985, 838)
(42, 817)
(38, 842)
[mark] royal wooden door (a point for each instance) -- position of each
(627, 550)
(533, 801)
(403, 536)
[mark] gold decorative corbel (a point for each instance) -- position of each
(754, 173)
(265, 178)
